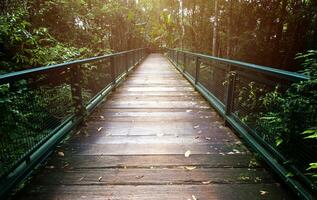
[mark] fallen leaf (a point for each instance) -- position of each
(139, 177)
(236, 151)
(99, 179)
(206, 182)
(190, 167)
(160, 134)
(187, 153)
(263, 192)
(66, 165)
(99, 129)
(60, 153)
(102, 117)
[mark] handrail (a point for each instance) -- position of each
(46, 108)
(8, 77)
(293, 76)
(229, 88)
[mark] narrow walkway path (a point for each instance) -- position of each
(134, 147)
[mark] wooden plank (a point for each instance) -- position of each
(161, 112)
(154, 192)
(153, 176)
(176, 128)
(152, 149)
(145, 96)
(106, 138)
(144, 82)
(156, 104)
(108, 115)
(156, 89)
(157, 93)
(147, 161)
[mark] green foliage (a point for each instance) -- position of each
(42, 33)
(291, 117)
(24, 46)
(249, 99)
(309, 63)
(312, 133)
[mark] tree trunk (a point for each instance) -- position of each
(229, 29)
(279, 33)
(215, 30)
(182, 22)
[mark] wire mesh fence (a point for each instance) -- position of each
(31, 108)
(241, 92)
(36, 103)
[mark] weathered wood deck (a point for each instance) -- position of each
(134, 144)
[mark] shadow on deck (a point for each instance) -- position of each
(134, 146)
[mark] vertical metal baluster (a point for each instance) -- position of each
(197, 61)
(133, 57)
(230, 92)
(76, 75)
(184, 62)
(112, 68)
(176, 58)
(126, 62)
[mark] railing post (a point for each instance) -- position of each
(136, 57)
(176, 57)
(113, 72)
(127, 62)
(230, 92)
(133, 58)
(77, 97)
(171, 55)
(184, 62)
(197, 61)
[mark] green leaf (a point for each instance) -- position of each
(278, 141)
(289, 174)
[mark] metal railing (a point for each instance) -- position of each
(39, 106)
(235, 90)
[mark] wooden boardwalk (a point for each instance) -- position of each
(134, 147)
